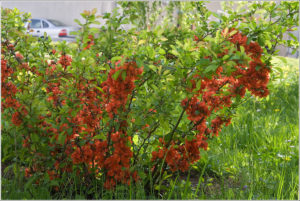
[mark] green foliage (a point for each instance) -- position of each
(167, 51)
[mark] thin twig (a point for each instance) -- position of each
(148, 136)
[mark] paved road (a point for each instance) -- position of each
(68, 40)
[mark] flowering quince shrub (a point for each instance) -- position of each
(120, 106)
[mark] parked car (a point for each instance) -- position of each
(53, 28)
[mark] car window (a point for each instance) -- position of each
(45, 24)
(56, 23)
(35, 24)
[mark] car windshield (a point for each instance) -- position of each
(57, 23)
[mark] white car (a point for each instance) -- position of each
(53, 28)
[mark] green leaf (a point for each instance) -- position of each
(35, 137)
(211, 68)
(164, 124)
(232, 32)
(135, 139)
(257, 68)
(225, 57)
(116, 75)
(175, 52)
(61, 138)
(162, 51)
(242, 49)
(139, 63)
(203, 62)
(190, 137)
(294, 51)
(261, 41)
(64, 79)
(78, 22)
(114, 59)
(152, 67)
(293, 36)
(99, 137)
(100, 89)
(198, 84)
(141, 42)
(268, 43)
(123, 75)
(249, 40)
(142, 174)
(163, 39)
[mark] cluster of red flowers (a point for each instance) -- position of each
(8, 89)
(215, 94)
(117, 90)
(118, 163)
(179, 157)
(87, 122)
(254, 77)
(65, 60)
(196, 110)
(112, 154)
(53, 87)
(8, 93)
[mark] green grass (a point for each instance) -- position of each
(256, 157)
